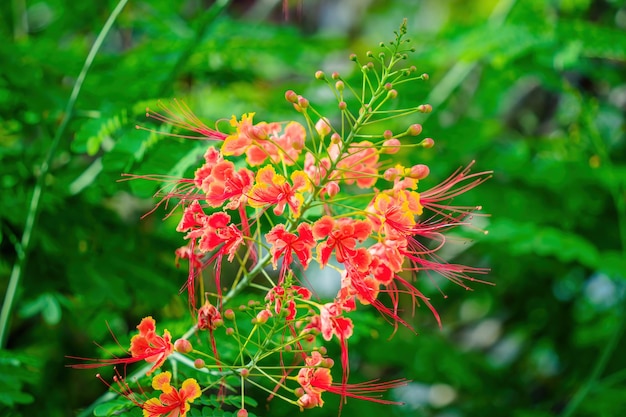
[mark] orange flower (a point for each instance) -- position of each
(147, 345)
(272, 189)
(264, 140)
(342, 237)
(284, 243)
(172, 402)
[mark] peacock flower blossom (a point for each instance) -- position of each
(220, 182)
(264, 140)
(149, 346)
(285, 243)
(219, 232)
(272, 189)
(146, 345)
(359, 165)
(281, 297)
(172, 402)
(342, 237)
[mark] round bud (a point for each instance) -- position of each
(391, 146)
(299, 392)
(370, 65)
(428, 143)
(388, 86)
(339, 85)
(387, 134)
(412, 68)
(328, 363)
(288, 348)
(244, 372)
(291, 96)
(425, 108)
(183, 346)
(353, 57)
(370, 54)
(242, 413)
(320, 75)
(425, 77)
(335, 138)
(198, 363)
(262, 317)
(419, 172)
(322, 127)
(322, 350)
(414, 129)
(242, 308)
(303, 102)
(381, 44)
(391, 174)
(229, 314)
(230, 331)
(392, 94)
(342, 105)
(381, 55)
(335, 75)
(218, 323)
(332, 188)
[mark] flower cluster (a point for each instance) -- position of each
(281, 195)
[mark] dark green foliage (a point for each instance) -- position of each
(536, 93)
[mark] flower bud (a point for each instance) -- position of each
(229, 314)
(339, 85)
(335, 75)
(320, 75)
(332, 188)
(198, 363)
(388, 86)
(391, 174)
(244, 372)
(392, 94)
(303, 102)
(322, 350)
(387, 134)
(419, 172)
(327, 363)
(412, 68)
(424, 108)
(425, 77)
(369, 54)
(299, 392)
(183, 346)
(414, 129)
(262, 317)
(242, 413)
(230, 331)
(391, 146)
(291, 96)
(427, 143)
(323, 127)
(353, 57)
(342, 105)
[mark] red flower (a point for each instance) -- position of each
(342, 237)
(284, 243)
(146, 345)
(272, 189)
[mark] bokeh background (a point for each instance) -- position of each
(533, 90)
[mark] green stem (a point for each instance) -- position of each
(33, 210)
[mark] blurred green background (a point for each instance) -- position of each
(534, 90)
